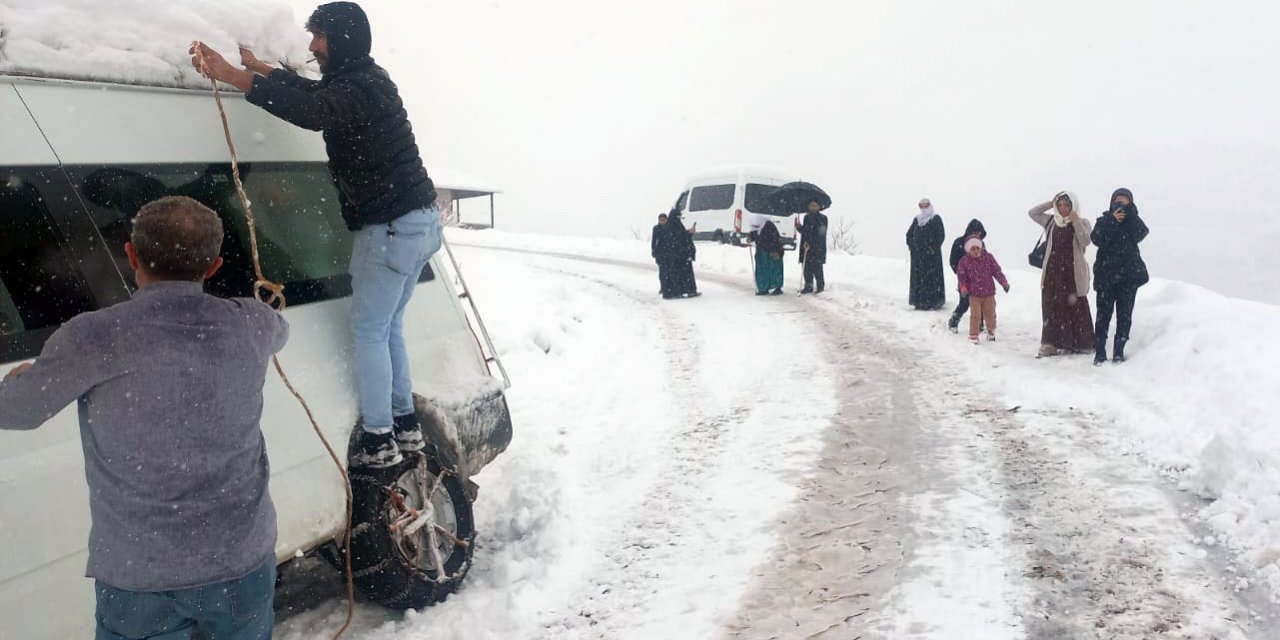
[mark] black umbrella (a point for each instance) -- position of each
(794, 197)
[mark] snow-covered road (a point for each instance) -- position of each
(740, 467)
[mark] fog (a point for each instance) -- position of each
(591, 115)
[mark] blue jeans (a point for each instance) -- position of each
(239, 609)
(386, 261)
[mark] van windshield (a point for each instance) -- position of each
(757, 198)
(715, 197)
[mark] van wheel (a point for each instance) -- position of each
(412, 533)
(718, 236)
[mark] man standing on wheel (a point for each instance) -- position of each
(387, 199)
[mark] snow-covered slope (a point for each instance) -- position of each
(1197, 398)
(141, 41)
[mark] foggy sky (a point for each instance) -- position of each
(590, 115)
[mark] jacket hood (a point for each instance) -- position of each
(975, 228)
(346, 27)
(1075, 202)
(1122, 192)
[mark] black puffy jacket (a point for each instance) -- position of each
(373, 157)
(975, 228)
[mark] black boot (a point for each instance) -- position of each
(1119, 355)
(1100, 355)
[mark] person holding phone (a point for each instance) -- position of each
(1118, 272)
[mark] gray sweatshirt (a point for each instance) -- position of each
(169, 391)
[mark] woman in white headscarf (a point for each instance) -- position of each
(1064, 283)
(925, 238)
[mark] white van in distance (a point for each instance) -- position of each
(728, 203)
(77, 160)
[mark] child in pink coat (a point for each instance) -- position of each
(977, 272)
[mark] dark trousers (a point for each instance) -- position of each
(239, 609)
(813, 272)
(1120, 300)
(662, 279)
(961, 309)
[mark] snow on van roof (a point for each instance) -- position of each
(141, 41)
(733, 171)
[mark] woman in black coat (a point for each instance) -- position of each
(1118, 271)
(925, 237)
(676, 253)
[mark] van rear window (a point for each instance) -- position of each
(716, 197)
(756, 198)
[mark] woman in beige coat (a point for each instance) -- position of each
(1064, 282)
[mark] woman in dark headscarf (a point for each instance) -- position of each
(1118, 272)
(769, 272)
(676, 252)
(1064, 284)
(924, 238)
(974, 230)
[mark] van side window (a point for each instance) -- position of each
(682, 202)
(40, 284)
(302, 239)
(717, 197)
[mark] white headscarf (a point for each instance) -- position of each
(1075, 207)
(926, 214)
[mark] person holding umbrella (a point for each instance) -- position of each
(811, 200)
(813, 247)
(655, 238)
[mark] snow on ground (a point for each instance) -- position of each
(845, 467)
(637, 493)
(141, 41)
(1196, 399)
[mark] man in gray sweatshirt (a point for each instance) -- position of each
(169, 392)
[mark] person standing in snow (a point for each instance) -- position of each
(1119, 271)
(388, 202)
(813, 247)
(925, 237)
(976, 271)
(654, 238)
(1064, 282)
(676, 253)
(974, 230)
(169, 389)
(769, 263)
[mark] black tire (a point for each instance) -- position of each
(718, 236)
(382, 568)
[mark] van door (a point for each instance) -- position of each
(44, 512)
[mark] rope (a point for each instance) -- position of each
(276, 297)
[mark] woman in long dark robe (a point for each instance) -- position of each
(925, 238)
(677, 253)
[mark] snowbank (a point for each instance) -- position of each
(1197, 398)
(141, 41)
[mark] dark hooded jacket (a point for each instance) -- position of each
(813, 238)
(1119, 259)
(975, 228)
(675, 243)
(373, 157)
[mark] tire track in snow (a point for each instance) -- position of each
(677, 521)
(1103, 552)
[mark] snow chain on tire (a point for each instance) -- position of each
(382, 572)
